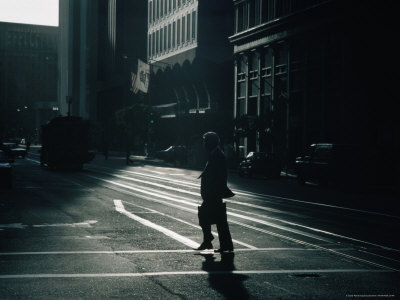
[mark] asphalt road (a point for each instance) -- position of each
(127, 232)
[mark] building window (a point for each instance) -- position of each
(173, 34)
(257, 12)
(161, 9)
(165, 38)
(241, 77)
(161, 40)
(154, 11)
(252, 13)
(149, 45)
(154, 43)
(253, 74)
(157, 42)
(169, 36)
(242, 22)
(178, 33)
(174, 4)
(150, 12)
(267, 10)
(194, 25)
(266, 71)
(179, 3)
(157, 9)
(183, 30)
(188, 27)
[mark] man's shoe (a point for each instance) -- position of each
(205, 245)
(220, 250)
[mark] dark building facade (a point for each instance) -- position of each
(100, 43)
(28, 78)
(311, 71)
(191, 60)
(121, 41)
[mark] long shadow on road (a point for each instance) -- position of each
(221, 277)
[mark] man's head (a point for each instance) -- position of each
(210, 140)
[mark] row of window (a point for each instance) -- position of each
(173, 35)
(160, 8)
(251, 13)
(251, 63)
(27, 40)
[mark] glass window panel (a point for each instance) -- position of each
(254, 62)
(242, 89)
(188, 27)
(162, 39)
(193, 25)
(257, 12)
(165, 38)
(169, 36)
(252, 11)
(178, 32)
(173, 34)
(183, 29)
(267, 82)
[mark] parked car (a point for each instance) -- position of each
(326, 162)
(260, 163)
(174, 154)
(5, 170)
(13, 150)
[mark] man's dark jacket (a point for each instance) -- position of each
(214, 179)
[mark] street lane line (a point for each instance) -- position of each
(278, 235)
(187, 223)
(255, 219)
(229, 213)
(334, 251)
(184, 240)
(253, 194)
(197, 194)
(98, 252)
(33, 160)
(184, 273)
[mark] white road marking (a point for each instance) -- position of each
(185, 273)
(107, 252)
(184, 240)
(13, 226)
(253, 194)
(33, 160)
(80, 224)
(334, 251)
(187, 223)
(23, 226)
(229, 213)
(284, 228)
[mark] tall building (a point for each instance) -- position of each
(100, 42)
(121, 41)
(28, 78)
(191, 60)
(77, 58)
(311, 71)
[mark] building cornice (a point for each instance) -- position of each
(278, 28)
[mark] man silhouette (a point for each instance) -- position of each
(213, 189)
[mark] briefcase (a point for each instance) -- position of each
(212, 214)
